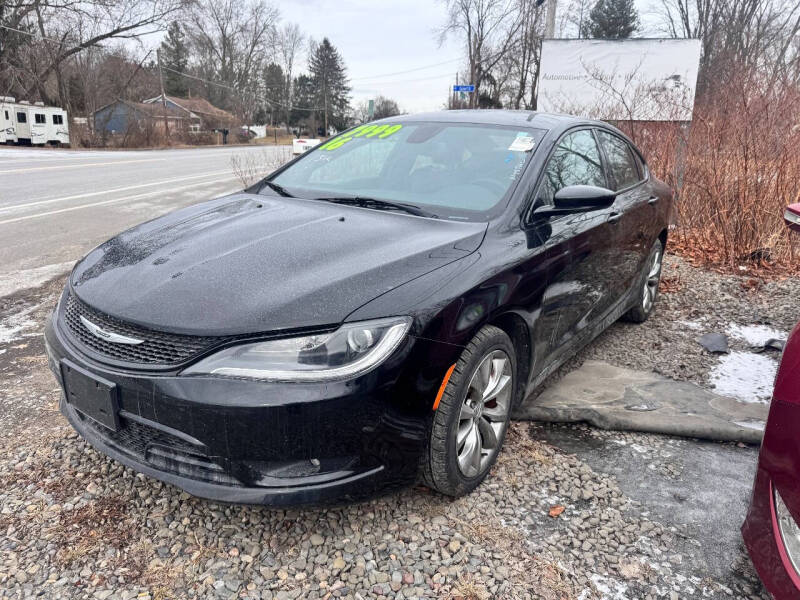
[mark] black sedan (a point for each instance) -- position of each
(365, 317)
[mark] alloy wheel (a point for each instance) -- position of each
(650, 288)
(484, 413)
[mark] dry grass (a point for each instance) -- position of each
(283, 139)
(254, 166)
(101, 523)
(468, 587)
(741, 170)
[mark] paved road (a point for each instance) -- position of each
(55, 205)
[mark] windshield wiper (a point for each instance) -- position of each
(278, 188)
(377, 204)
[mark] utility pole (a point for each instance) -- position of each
(550, 23)
(163, 95)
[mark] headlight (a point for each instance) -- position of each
(351, 350)
(790, 532)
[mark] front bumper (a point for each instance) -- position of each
(243, 441)
(778, 468)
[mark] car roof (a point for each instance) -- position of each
(520, 118)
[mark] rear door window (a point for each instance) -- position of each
(621, 162)
(22, 117)
(575, 161)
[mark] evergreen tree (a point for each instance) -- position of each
(330, 79)
(304, 101)
(175, 55)
(612, 19)
(274, 91)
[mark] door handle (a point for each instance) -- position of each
(614, 217)
(652, 200)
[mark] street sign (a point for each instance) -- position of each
(463, 88)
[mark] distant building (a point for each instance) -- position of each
(204, 116)
(123, 116)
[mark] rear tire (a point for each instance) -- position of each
(470, 424)
(646, 290)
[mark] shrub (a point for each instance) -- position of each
(741, 169)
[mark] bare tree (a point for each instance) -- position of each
(232, 42)
(59, 31)
(737, 34)
(488, 28)
(527, 54)
(290, 41)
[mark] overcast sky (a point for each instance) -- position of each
(391, 47)
(382, 39)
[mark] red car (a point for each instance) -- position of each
(771, 531)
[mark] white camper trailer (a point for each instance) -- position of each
(57, 126)
(37, 119)
(8, 131)
(22, 122)
(35, 124)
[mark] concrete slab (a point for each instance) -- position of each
(612, 397)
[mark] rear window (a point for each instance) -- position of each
(453, 170)
(621, 163)
(40, 119)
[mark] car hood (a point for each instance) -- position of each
(249, 263)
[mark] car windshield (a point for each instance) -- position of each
(460, 171)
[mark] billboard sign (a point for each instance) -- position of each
(633, 79)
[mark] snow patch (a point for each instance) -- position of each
(693, 325)
(18, 325)
(745, 376)
(755, 335)
(610, 589)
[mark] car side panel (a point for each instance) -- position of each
(632, 237)
(579, 285)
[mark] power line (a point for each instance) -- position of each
(446, 62)
(208, 81)
(290, 107)
(223, 85)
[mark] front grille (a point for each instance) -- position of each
(158, 348)
(137, 437)
(162, 450)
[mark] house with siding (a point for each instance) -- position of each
(124, 116)
(203, 115)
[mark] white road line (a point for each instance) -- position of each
(101, 164)
(104, 202)
(14, 207)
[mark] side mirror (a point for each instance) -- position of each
(577, 199)
(792, 217)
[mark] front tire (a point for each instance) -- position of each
(646, 290)
(470, 424)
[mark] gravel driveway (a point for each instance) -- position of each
(567, 513)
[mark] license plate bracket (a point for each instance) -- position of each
(90, 394)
